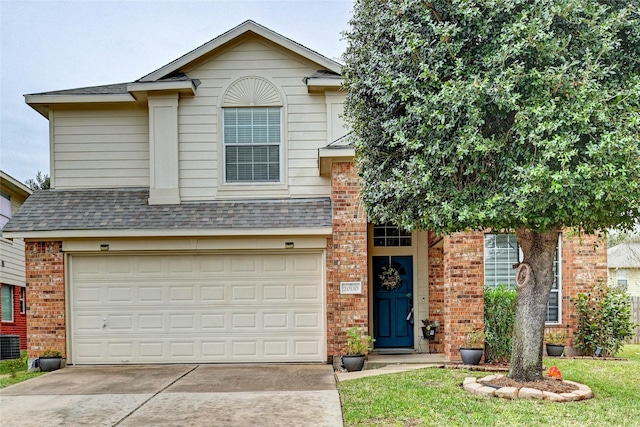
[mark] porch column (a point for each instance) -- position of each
(463, 289)
(46, 320)
(347, 256)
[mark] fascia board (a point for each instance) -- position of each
(34, 100)
(184, 87)
(221, 40)
(75, 234)
(337, 152)
(324, 82)
(14, 185)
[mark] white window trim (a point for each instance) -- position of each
(280, 153)
(13, 315)
(23, 300)
(560, 286)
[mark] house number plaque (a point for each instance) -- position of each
(350, 288)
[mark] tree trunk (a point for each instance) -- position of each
(534, 280)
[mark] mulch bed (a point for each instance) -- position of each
(546, 384)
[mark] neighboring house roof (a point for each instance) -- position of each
(624, 255)
(110, 210)
(170, 77)
(10, 184)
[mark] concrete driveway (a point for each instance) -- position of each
(176, 395)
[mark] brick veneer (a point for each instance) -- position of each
(584, 263)
(463, 255)
(19, 324)
(436, 292)
(46, 297)
(346, 258)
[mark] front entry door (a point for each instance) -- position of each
(392, 302)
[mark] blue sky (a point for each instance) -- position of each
(54, 45)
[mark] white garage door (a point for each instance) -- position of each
(197, 308)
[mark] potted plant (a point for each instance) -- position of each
(429, 329)
(473, 347)
(356, 348)
(555, 343)
(50, 360)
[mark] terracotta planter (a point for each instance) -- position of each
(353, 363)
(471, 356)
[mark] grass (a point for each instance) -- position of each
(14, 371)
(434, 397)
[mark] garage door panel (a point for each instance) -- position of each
(198, 308)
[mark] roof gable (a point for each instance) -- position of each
(624, 255)
(234, 33)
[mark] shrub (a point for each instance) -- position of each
(499, 318)
(604, 319)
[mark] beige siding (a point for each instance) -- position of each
(12, 268)
(305, 122)
(633, 280)
(101, 148)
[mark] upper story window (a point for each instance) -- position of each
(501, 251)
(252, 144)
(390, 235)
(621, 278)
(5, 209)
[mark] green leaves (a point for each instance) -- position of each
(484, 114)
(604, 319)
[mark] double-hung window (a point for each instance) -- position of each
(501, 252)
(7, 303)
(252, 144)
(621, 278)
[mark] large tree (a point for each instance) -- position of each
(513, 115)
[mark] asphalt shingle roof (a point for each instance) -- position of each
(124, 209)
(624, 255)
(112, 89)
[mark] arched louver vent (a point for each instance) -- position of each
(252, 92)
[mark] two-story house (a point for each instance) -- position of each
(210, 212)
(13, 311)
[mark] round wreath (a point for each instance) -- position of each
(390, 278)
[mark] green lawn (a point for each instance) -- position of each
(434, 397)
(14, 371)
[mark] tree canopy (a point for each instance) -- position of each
(496, 114)
(520, 115)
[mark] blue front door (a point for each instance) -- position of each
(391, 304)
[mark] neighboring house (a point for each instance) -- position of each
(623, 262)
(13, 312)
(210, 212)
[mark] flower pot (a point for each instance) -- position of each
(353, 363)
(471, 356)
(48, 364)
(555, 350)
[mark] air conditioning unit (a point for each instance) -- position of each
(9, 347)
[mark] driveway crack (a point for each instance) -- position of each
(155, 394)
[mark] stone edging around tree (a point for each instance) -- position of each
(474, 386)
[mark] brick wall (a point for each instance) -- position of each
(19, 324)
(45, 297)
(347, 258)
(436, 292)
(463, 263)
(584, 263)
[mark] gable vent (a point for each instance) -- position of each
(252, 92)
